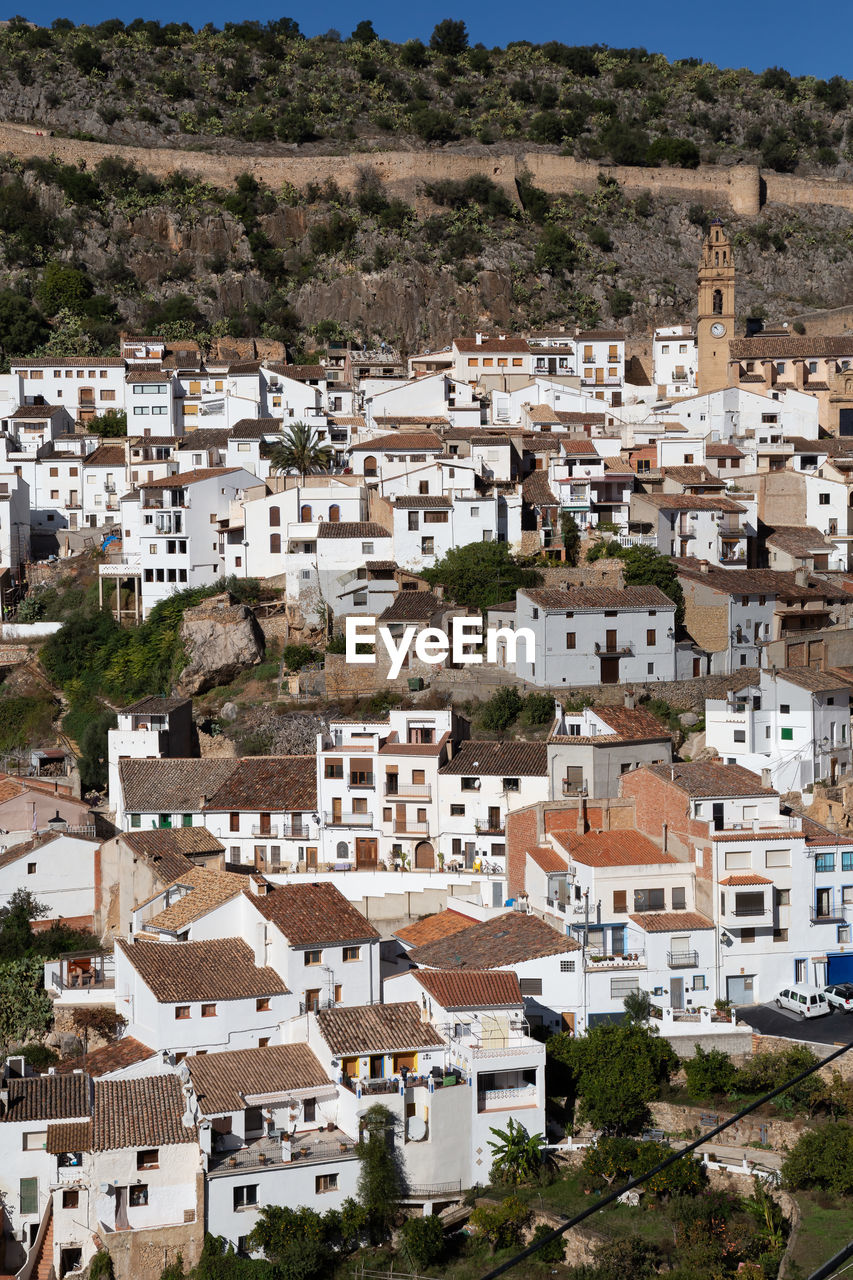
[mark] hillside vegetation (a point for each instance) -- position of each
(88, 250)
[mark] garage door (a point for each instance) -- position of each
(839, 968)
(739, 990)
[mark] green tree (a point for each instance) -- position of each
(822, 1158)
(423, 1241)
(709, 1073)
(501, 1225)
(110, 425)
(612, 1072)
(26, 1009)
(299, 449)
(294, 1240)
(22, 326)
(101, 1266)
(571, 535)
(481, 574)
(297, 656)
(364, 33)
(554, 1250)
(517, 1154)
(69, 337)
(644, 566)
(638, 1006)
(380, 1179)
(449, 37)
(63, 288)
(502, 709)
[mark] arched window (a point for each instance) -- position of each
(305, 513)
(718, 302)
(335, 513)
(275, 544)
(370, 465)
(342, 851)
(275, 517)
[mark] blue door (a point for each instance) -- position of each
(839, 968)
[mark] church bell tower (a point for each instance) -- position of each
(715, 325)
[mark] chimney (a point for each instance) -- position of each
(801, 577)
(765, 778)
(629, 700)
(581, 828)
(704, 566)
(672, 773)
(260, 886)
(665, 835)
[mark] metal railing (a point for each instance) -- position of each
(410, 792)
(277, 1153)
(607, 649)
(682, 959)
(834, 914)
(347, 819)
(405, 828)
(502, 1099)
(271, 831)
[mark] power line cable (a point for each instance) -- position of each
(664, 1164)
(828, 1268)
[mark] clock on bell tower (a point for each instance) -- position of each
(715, 324)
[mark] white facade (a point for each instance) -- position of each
(674, 356)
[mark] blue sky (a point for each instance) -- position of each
(731, 33)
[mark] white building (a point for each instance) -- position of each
(716, 529)
(59, 869)
(479, 785)
(674, 357)
(596, 636)
(793, 723)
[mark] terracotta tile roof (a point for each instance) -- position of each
(471, 988)
(269, 783)
(139, 1113)
(347, 420)
(73, 1135)
(412, 606)
(155, 705)
(631, 724)
(751, 878)
(250, 429)
(37, 412)
(542, 412)
(184, 478)
(59, 1097)
(723, 451)
(789, 346)
(380, 566)
(494, 944)
(689, 502)
(499, 759)
(601, 335)
(693, 475)
(172, 785)
(172, 846)
(433, 928)
(313, 915)
(301, 372)
(612, 849)
(371, 1028)
(490, 346)
(815, 681)
(144, 374)
(352, 529)
(769, 582)
(400, 442)
(581, 417)
(110, 1057)
(595, 598)
(817, 834)
(495, 440)
(217, 969)
(537, 491)
(710, 779)
(547, 859)
(423, 501)
(106, 455)
(798, 540)
(671, 921)
(221, 1080)
(542, 442)
(207, 890)
(51, 362)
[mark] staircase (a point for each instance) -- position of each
(44, 1259)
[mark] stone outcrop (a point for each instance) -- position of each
(221, 638)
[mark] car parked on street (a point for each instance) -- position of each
(807, 1001)
(840, 996)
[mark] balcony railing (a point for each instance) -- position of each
(366, 783)
(305, 1150)
(419, 791)
(405, 828)
(833, 914)
(609, 649)
(506, 1099)
(348, 819)
(629, 960)
(682, 959)
(271, 831)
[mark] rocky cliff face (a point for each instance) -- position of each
(221, 639)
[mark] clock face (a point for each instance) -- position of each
(718, 329)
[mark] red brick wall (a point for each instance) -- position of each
(527, 828)
(657, 804)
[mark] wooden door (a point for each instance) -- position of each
(265, 826)
(336, 810)
(399, 817)
(609, 670)
(311, 857)
(366, 852)
(610, 640)
(424, 855)
(569, 1022)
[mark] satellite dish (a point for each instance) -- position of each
(416, 1129)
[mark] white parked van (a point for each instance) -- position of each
(808, 1002)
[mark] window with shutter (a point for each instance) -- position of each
(29, 1196)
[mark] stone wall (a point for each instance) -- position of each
(142, 1255)
(780, 1135)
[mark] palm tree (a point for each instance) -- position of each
(517, 1154)
(299, 449)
